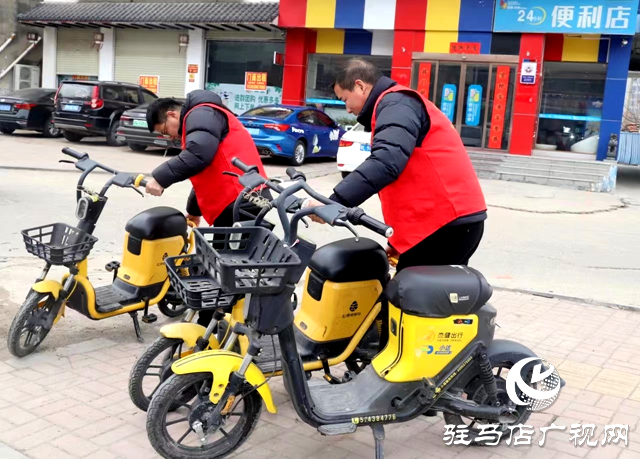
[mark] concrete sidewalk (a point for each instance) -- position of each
(72, 402)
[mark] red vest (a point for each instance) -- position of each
(215, 190)
(437, 186)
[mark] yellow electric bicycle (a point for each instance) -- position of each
(139, 281)
(440, 355)
(338, 320)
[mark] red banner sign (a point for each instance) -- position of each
(500, 98)
(424, 79)
(149, 82)
(255, 81)
(464, 48)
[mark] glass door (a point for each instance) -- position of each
(474, 101)
(477, 97)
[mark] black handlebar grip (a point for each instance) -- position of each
(144, 182)
(74, 154)
(240, 165)
(376, 226)
(294, 174)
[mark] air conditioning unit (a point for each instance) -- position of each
(26, 76)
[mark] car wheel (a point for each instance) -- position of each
(6, 130)
(50, 130)
(299, 154)
(112, 137)
(137, 147)
(72, 136)
(344, 174)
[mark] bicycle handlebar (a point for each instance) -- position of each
(332, 212)
(88, 165)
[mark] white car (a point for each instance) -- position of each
(355, 147)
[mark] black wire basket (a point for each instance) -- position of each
(194, 285)
(59, 243)
(246, 260)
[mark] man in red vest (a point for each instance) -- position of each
(211, 137)
(418, 166)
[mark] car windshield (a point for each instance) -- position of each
(358, 128)
(76, 91)
(31, 93)
(279, 113)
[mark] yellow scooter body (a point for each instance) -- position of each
(421, 347)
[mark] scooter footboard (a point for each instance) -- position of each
(222, 364)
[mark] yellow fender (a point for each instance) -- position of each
(189, 333)
(221, 364)
(54, 288)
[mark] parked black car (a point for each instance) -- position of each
(93, 108)
(28, 109)
(134, 131)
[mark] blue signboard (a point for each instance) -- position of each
(613, 17)
(559, 116)
(474, 103)
(448, 103)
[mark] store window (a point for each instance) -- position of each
(321, 73)
(230, 62)
(571, 108)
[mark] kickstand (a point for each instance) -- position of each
(136, 325)
(378, 435)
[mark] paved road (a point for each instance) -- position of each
(71, 402)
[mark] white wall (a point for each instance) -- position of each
(196, 55)
(107, 55)
(49, 57)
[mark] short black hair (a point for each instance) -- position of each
(356, 69)
(157, 111)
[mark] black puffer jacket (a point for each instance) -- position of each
(402, 122)
(206, 128)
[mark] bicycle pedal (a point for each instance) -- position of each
(149, 318)
(112, 265)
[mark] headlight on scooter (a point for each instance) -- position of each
(82, 209)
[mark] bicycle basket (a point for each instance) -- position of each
(246, 260)
(59, 244)
(194, 285)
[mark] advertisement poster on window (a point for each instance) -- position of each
(255, 81)
(149, 82)
(448, 103)
(239, 100)
(613, 17)
(474, 104)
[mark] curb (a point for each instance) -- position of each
(573, 299)
(7, 452)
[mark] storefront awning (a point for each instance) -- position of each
(221, 16)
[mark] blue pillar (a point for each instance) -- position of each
(614, 92)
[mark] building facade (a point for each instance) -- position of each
(523, 77)
(171, 48)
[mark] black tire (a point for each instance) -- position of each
(475, 391)
(164, 443)
(172, 307)
(72, 136)
(6, 130)
(49, 130)
(137, 147)
(23, 323)
(170, 346)
(112, 138)
(299, 154)
(344, 174)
